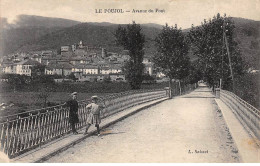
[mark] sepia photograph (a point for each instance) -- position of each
(120, 81)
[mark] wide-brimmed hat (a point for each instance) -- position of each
(74, 93)
(94, 97)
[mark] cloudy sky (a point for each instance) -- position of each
(181, 12)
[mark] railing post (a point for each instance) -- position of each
(6, 137)
(2, 138)
(217, 93)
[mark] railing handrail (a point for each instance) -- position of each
(109, 96)
(255, 110)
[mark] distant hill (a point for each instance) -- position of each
(39, 21)
(91, 35)
(27, 29)
(247, 35)
(152, 25)
(38, 33)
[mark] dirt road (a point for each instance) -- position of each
(188, 128)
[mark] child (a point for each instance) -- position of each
(94, 115)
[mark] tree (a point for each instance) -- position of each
(172, 53)
(148, 79)
(16, 81)
(44, 94)
(72, 77)
(132, 40)
(194, 73)
(107, 79)
(207, 42)
(37, 70)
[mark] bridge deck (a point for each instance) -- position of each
(172, 131)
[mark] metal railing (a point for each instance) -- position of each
(246, 113)
(22, 132)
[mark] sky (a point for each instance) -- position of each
(181, 12)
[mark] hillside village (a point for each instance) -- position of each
(86, 63)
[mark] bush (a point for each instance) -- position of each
(147, 79)
(107, 79)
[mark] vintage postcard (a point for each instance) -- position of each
(120, 81)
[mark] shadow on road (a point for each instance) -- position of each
(198, 97)
(104, 133)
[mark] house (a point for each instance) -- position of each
(115, 68)
(88, 78)
(17, 58)
(86, 68)
(24, 67)
(66, 53)
(8, 68)
(64, 48)
(104, 70)
(49, 70)
(56, 59)
(47, 53)
(117, 77)
(63, 69)
(90, 69)
(79, 60)
(59, 80)
(80, 52)
(148, 69)
(37, 57)
(148, 65)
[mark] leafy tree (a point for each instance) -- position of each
(148, 79)
(44, 94)
(17, 81)
(132, 39)
(72, 76)
(38, 70)
(207, 43)
(172, 50)
(107, 79)
(195, 73)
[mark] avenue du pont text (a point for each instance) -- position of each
(156, 10)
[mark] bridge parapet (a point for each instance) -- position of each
(25, 131)
(248, 115)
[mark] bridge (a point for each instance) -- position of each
(140, 126)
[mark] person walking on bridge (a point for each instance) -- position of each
(94, 114)
(73, 110)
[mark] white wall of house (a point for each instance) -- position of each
(77, 70)
(48, 71)
(65, 48)
(9, 69)
(148, 70)
(57, 71)
(65, 72)
(115, 70)
(90, 71)
(104, 71)
(23, 70)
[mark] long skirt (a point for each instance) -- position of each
(93, 119)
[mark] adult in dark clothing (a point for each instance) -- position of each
(73, 110)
